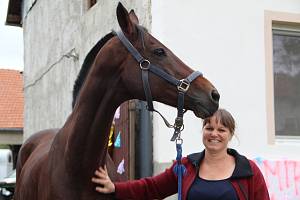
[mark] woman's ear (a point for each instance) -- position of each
(231, 136)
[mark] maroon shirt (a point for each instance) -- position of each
(246, 179)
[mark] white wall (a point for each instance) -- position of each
(225, 41)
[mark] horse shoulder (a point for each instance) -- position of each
(31, 144)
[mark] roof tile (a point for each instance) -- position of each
(11, 99)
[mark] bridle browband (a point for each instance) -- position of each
(182, 85)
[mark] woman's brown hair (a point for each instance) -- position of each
(224, 117)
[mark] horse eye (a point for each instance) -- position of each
(159, 52)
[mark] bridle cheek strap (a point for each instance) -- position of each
(182, 89)
(182, 85)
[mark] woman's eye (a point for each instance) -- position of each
(209, 128)
(159, 52)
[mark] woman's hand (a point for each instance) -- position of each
(101, 177)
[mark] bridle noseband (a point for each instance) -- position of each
(182, 85)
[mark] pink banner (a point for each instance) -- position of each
(282, 178)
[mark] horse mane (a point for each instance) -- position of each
(87, 63)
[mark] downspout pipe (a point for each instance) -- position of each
(144, 142)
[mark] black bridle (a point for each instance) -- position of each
(182, 85)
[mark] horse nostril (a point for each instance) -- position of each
(215, 95)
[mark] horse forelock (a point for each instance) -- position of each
(87, 63)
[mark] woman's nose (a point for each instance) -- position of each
(214, 132)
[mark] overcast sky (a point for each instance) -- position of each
(11, 42)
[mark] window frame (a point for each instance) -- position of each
(91, 3)
(271, 18)
(88, 4)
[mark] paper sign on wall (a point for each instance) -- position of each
(111, 134)
(117, 113)
(118, 140)
(121, 167)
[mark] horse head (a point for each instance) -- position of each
(202, 97)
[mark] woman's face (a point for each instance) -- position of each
(215, 136)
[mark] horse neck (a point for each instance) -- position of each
(86, 132)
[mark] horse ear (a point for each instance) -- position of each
(124, 20)
(133, 17)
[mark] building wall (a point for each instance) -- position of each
(13, 137)
(57, 36)
(224, 40)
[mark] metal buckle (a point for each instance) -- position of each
(178, 122)
(145, 64)
(183, 86)
(179, 141)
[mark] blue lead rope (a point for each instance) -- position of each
(179, 168)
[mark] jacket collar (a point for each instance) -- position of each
(242, 166)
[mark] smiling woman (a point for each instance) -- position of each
(215, 173)
(218, 131)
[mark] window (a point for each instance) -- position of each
(286, 72)
(91, 3)
(283, 76)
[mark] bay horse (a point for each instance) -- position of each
(58, 164)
